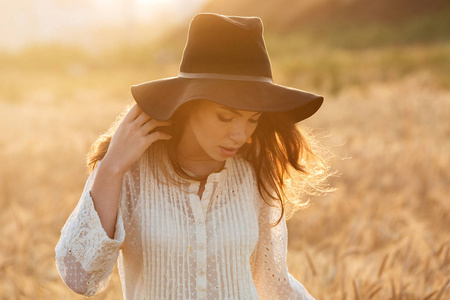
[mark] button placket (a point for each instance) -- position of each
(201, 260)
(200, 230)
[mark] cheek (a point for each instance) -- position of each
(208, 131)
(215, 131)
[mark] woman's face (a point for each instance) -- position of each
(216, 132)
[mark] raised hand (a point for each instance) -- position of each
(134, 135)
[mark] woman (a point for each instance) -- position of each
(188, 192)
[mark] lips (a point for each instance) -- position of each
(228, 151)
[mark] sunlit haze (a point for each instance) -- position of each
(383, 67)
(24, 22)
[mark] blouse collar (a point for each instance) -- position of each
(216, 176)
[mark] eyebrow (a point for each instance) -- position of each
(236, 112)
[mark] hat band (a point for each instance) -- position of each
(224, 76)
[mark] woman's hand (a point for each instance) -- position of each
(133, 136)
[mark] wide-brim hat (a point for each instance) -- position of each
(225, 61)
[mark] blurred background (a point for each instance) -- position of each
(383, 67)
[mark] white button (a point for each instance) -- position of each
(201, 247)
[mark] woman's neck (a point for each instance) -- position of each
(199, 166)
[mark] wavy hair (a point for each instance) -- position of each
(288, 160)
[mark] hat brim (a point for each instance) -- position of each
(161, 98)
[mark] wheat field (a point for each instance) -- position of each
(383, 234)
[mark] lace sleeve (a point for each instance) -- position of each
(85, 255)
(270, 273)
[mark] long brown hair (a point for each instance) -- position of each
(279, 151)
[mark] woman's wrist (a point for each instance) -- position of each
(112, 167)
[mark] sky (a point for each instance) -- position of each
(25, 22)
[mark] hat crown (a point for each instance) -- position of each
(226, 45)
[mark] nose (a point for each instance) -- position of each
(238, 133)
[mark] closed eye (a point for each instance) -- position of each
(223, 119)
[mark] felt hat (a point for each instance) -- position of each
(225, 61)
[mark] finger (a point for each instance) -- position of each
(142, 119)
(157, 136)
(133, 113)
(152, 124)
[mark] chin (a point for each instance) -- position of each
(219, 157)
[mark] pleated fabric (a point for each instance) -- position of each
(170, 244)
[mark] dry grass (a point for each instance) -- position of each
(384, 234)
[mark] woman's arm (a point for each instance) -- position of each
(270, 273)
(85, 255)
(92, 236)
(105, 194)
(133, 136)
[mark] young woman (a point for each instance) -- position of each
(188, 188)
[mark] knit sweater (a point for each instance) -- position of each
(170, 244)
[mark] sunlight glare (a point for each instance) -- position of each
(152, 1)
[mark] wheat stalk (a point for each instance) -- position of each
(311, 264)
(355, 290)
(394, 294)
(383, 264)
(428, 297)
(441, 292)
(372, 294)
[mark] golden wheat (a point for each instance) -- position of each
(382, 235)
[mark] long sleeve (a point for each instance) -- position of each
(85, 255)
(270, 273)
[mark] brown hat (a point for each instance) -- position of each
(225, 61)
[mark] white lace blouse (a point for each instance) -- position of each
(170, 244)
